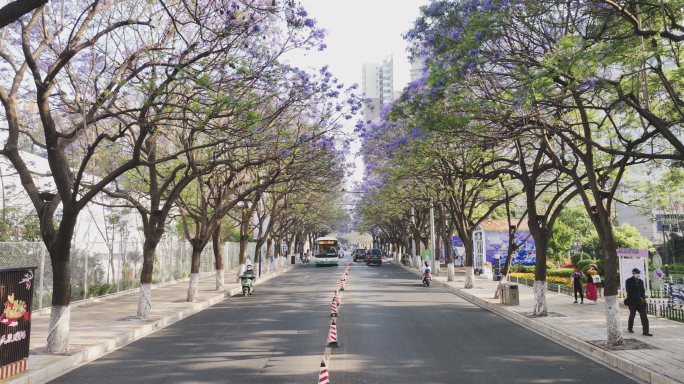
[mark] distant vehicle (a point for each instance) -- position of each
(325, 251)
(359, 254)
(374, 257)
(340, 253)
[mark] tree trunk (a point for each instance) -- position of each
(469, 262)
(290, 247)
(58, 334)
(269, 241)
(541, 243)
(418, 258)
(194, 271)
(446, 236)
(145, 299)
(604, 228)
(244, 238)
(218, 258)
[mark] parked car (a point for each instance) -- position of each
(374, 257)
(359, 254)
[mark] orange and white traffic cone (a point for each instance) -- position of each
(323, 377)
(332, 334)
(342, 285)
(334, 309)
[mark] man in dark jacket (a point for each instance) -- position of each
(636, 299)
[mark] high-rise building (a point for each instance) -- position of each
(383, 82)
(370, 85)
(417, 68)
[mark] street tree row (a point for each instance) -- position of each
(178, 110)
(536, 101)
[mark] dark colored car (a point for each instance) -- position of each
(374, 257)
(359, 254)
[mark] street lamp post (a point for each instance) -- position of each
(413, 239)
(435, 264)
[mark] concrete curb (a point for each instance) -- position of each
(558, 335)
(85, 356)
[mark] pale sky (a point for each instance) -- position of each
(359, 31)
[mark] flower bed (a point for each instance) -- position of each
(551, 279)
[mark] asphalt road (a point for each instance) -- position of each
(391, 330)
(276, 335)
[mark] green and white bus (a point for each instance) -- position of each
(325, 251)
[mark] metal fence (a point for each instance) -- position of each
(666, 310)
(561, 289)
(99, 269)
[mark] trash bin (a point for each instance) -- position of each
(292, 260)
(17, 294)
(510, 294)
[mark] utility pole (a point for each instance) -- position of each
(413, 238)
(432, 238)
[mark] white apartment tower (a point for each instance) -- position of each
(384, 82)
(417, 68)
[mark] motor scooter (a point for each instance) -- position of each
(247, 281)
(427, 277)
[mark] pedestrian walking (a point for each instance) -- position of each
(577, 284)
(636, 300)
(591, 282)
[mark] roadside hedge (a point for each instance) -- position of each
(559, 272)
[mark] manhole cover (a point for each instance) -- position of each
(628, 345)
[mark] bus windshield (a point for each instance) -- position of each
(326, 250)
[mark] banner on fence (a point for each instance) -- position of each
(626, 266)
(676, 292)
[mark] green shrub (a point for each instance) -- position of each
(561, 272)
(674, 267)
(584, 265)
(550, 266)
(574, 259)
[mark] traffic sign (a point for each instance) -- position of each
(657, 262)
(658, 274)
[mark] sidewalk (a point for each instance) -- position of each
(658, 359)
(102, 326)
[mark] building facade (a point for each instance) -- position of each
(651, 224)
(383, 82)
(417, 69)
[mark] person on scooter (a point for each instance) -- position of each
(249, 274)
(425, 268)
